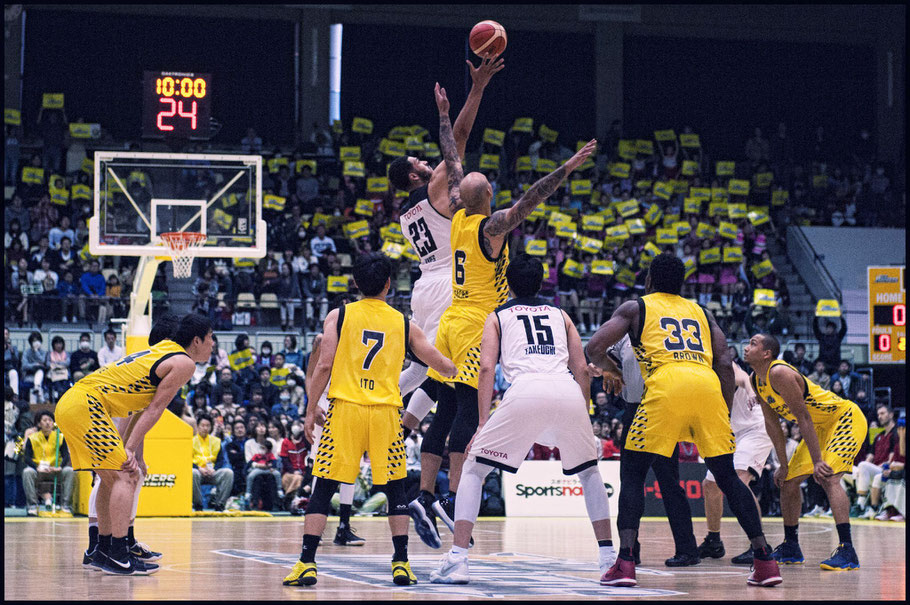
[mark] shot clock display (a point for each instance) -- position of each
(887, 315)
(176, 105)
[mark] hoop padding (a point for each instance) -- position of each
(183, 246)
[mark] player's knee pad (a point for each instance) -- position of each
(478, 469)
(597, 502)
(321, 499)
(398, 502)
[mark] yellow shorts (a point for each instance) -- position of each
(682, 403)
(458, 338)
(352, 429)
(90, 433)
(839, 439)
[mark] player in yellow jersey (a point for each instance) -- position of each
(688, 379)
(480, 256)
(363, 349)
(145, 380)
(833, 430)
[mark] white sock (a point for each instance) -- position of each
(606, 554)
(861, 501)
(93, 498)
(136, 495)
(459, 551)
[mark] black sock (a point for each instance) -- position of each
(119, 548)
(791, 533)
(104, 543)
(843, 533)
(427, 495)
(344, 515)
(450, 495)
(308, 551)
(401, 548)
(130, 537)
(762, 554)
(605, 543)
(626, 554)
(92, 538)
(713, 536)
(405, 432)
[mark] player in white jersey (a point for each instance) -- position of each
(426, 222)
(344, 535)
(753, 446)
(536, 345)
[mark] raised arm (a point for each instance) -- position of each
(503, 221)
(449, 150)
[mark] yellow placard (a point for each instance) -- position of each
(580, 186)
(538, 213)
(717, 209)
(663, 190)
(733, 254)
(820, 181)
(536, 247)
(626, 149)
(392, 249)
(827, 307)
(523, 164)
(763, 180)
(762, 269)
(32, 175)
(643, 185)
(409, 253)
(503, 198)
(354, 169)
(11, 116)
(299, 165)
(489, 162)
(636, 226)
(356, 229)
(52, 100)
(620, 170)
(689, 140)
(665, 135)
(719, 194)
(275, 164)
(650, 249)
(547, 134)
(389, 232)
(652, 216)
(337, 127)
(589, 244)
(350, 153)
(620, 232)
(320, 218)
(363, 207)
(689, 168)
(736, 211)
(667, 236)
(412, 143)
(765, 298)
(400, 133)
(566, 230)
(680, 186)
(602, 267)
(627, 207)
(738, 187)
(670, 220)
(544, 165)
(493, 136)
(725, 168)
(223, 219)
(80, 192)
(362, 125)
(337, 283)
(644, 146)
(573, 268)
(682, 228)
(392, 148)
(700, 193)
(758, 217)
(79, 130)
(61, 197)
(592, 222)
(377, 184)
(608, 214)
(691, 205)
(271, 201)
(626, 276)
(431, 150)
(727, 230)
(557, 218)
(780, 197)
(419, 131)
(523, 125)
(709, 256)
(689, 265)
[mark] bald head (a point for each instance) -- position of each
(476, 192)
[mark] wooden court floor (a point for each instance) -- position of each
(517, 558)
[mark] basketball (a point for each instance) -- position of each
(488, 38)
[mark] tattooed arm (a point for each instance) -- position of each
(448, 147)
(497, 227)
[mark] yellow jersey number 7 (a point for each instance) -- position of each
(378, 338)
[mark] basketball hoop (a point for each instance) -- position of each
(183, 246)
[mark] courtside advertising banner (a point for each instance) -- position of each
(539, 489)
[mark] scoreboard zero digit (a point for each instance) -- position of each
(176, 105)
(887, 315)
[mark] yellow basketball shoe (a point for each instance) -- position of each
(303, 574)
(402, 574)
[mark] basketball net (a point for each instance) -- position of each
(182, 246)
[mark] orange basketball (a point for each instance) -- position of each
(488, 38)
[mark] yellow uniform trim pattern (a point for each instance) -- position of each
(94, 442)
(823, 405)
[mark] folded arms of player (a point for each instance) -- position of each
(174, 372)
(622, 322)
(429, 354)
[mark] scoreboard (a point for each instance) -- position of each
(887, 315)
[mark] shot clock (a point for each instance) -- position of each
(887, 315)
(176, 105)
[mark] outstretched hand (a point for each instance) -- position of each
(481, 74)
(442, 102)
(578, 159)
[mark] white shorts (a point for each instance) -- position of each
(431, 296)
(752, 450)
(538, 408)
